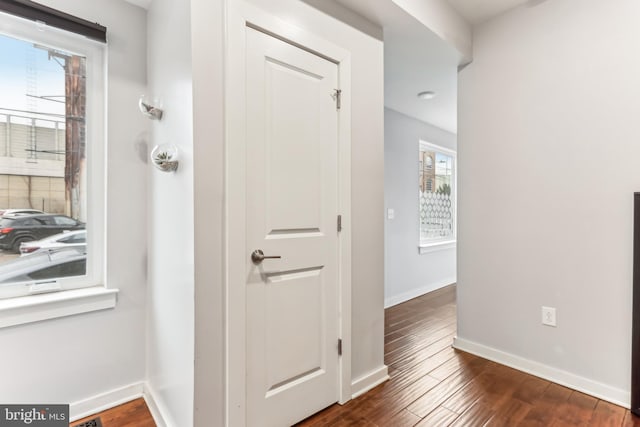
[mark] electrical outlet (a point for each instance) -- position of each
(549, 316)
(390, 214)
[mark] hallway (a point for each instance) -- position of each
(434, 385)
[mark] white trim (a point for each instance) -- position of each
(34, 308)
(414, 293)
(101, 402)
(368, 381)
(239, 15)
(119, 396)
(426, 145)
(344, 208)
(427, 248)
(93, 185)
(585, 385)
(158, 411)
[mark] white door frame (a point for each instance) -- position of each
(239, 16)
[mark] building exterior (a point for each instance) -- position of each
(32, 161)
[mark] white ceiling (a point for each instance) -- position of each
(142, 3)
(477, 11)
(416, 59)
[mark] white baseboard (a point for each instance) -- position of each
(366, 382)
(113, 398)
(413, 293)
(157, 409)
(585, 385)
(104, 401)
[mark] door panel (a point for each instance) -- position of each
(298, 296)
(293, 134)
(291, 178)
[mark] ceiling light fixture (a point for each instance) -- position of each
(429, 94)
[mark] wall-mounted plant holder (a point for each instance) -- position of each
(148, 109)
(165, 157)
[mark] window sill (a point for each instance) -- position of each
(425, 248)
(34, 308)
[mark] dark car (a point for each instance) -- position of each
(17, 229)
(44, 266)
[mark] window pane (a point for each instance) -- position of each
(437, 218)
(42, 158)
(64, 221)
(67, 268)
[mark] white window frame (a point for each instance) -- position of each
(21, 304)
(426, 246)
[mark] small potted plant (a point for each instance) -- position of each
(164, 157)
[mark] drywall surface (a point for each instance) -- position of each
(207, 46)
(409, 274)
(442, 18)
(170, 354)
(74, 358)
(548, 163)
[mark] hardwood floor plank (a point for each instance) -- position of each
(388, 404)
(577, 410)
(410, 357)
(531, 389)
(451, 366)
(544, 411)
(441, 417)
(476, 416)
(437, 395)
(131, 414)
(607, 415)
(423, 367)
(433, 385)
(404, 418)
(630, 420)
(511, 413)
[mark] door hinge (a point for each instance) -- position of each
(339, 346)
(337, 96)
(339, 223)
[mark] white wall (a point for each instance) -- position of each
(548, 156)
(170, 356)
(442, 18)
(207, 46)
(73, 358)
(407, 273)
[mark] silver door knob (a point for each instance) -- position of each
(258, 256)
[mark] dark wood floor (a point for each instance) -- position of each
(131, 414)
(433, 385)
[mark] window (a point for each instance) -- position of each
(75, 238)
(52, 151)
(65, 269)
(65, 221)
(437, 201)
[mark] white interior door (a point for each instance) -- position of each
(291, 212)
